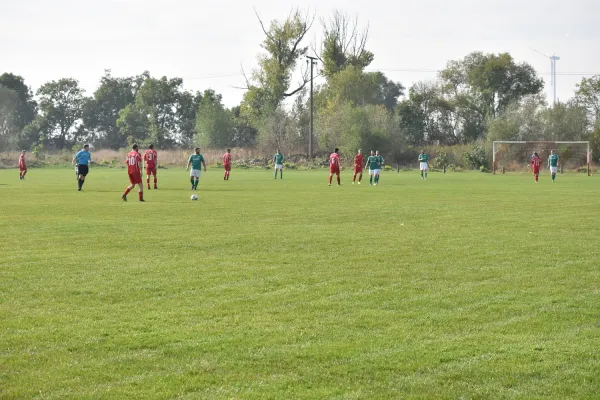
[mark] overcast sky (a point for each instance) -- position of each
(206, 41)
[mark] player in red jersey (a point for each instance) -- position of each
(134, 169)
(358, 166)
(22, 166)
(151, 160)
(536, 163)
(227, 164)
(335, 164)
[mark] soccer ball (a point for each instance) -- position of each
(194, 197)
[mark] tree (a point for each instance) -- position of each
(243, 134)
(360, 88)
(185, 116)
(134, 124)
(214, 124)
(159, 98)
(271, 82)
(343, 45)
(566, 121)
(588, 94)
(101, 112)
(61, 106)
(27, 108)
(521, 121)
(9, 118)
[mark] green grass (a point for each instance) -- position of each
(463, 286)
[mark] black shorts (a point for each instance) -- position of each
(82, 169)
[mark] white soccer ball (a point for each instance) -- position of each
(194, 197)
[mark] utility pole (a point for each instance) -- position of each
(313, 62)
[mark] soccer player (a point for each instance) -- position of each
(358, 166)
(423, 164)
(375, 161)
(22, 166)
(83, 158)
(227, 164)
(196, 161)
(278, 161)
(536, 163)
(335, 164)
(151, 160)
(553, 164)
(134, 169)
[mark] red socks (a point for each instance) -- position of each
(127, 191)
(141, 194)
(338, 179)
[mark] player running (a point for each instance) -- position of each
(278, 161)
(196, 161)
(151, 160)
(134, 170)
(82, 158)
(358, 166)
(22, 166)
(374, 162)
(423, 164)
(553, 164)
(335, 164)
(227, 164)
(536, 163)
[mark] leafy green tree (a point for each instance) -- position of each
(243, 134)
(101, 112)
(520, 121)
(360, 88)
(214, 123)
(566, 121)
(159, 98)
(588, 94)
(9, 118)
(271, 82)
(27, 108)
(134, 124)
(186, 110)
(412, 121)
(61, 106)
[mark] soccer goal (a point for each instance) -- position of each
(512, 155)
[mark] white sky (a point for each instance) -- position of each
(206, 41)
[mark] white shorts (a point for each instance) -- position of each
(195, 173)
(553, 170)
(278, 166)
(423, 166)
(374, 171)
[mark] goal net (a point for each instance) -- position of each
(516, 155)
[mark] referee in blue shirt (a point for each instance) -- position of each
(83, 158)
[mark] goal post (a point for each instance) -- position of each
(516, 154)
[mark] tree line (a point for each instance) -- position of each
(476, 99)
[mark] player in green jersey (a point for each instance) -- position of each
(553, 164)
(196, 161)
(374, 162)
(423, 164)
(278, 161)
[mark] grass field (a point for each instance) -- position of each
(466, 285)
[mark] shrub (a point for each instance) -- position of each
(388, 168)
(476, 158)
(441, 159)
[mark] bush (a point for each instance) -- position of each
(476, 158)
(441, 159)
(388, 168)
(289, 165)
